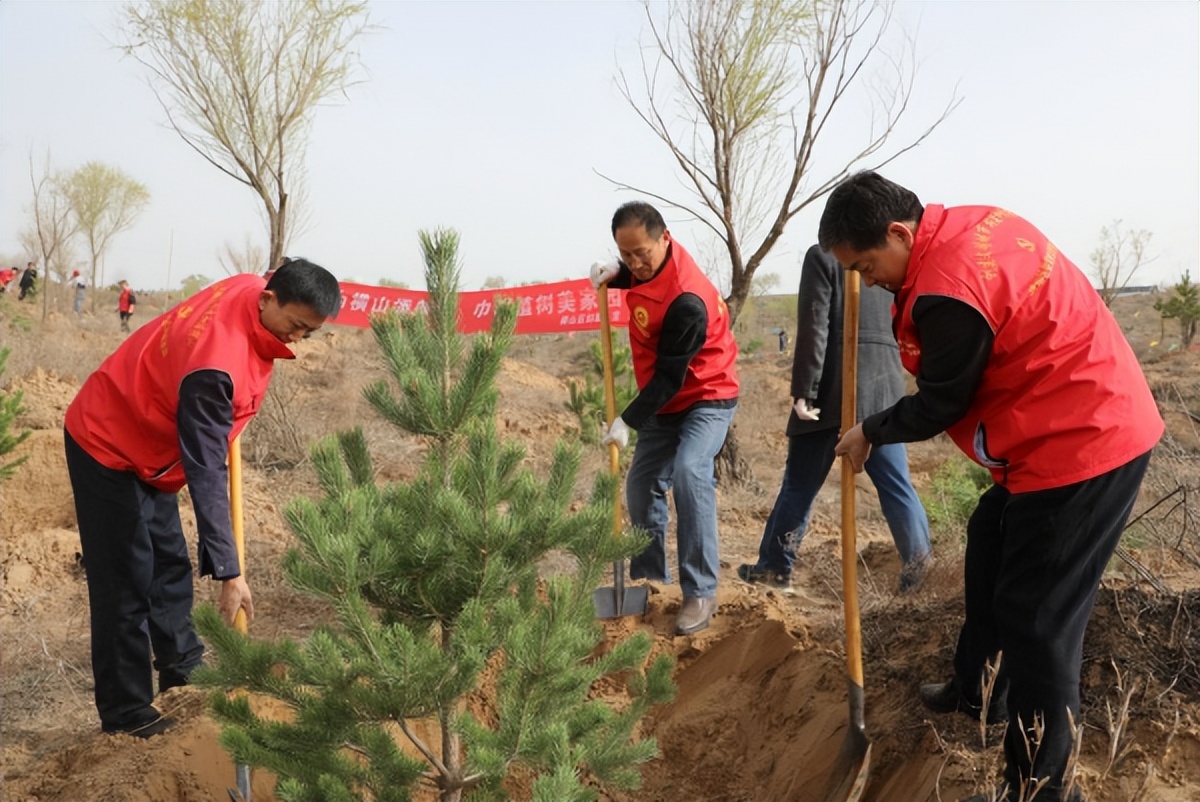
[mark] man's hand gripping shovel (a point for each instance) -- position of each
(617, 600)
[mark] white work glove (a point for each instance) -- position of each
(617, 433)
(603, 272)
(805, 412)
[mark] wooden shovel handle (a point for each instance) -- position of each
(235, 513)
(610, 392)
(854, 662)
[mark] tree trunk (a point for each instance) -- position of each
(730, 466)
(451, 747)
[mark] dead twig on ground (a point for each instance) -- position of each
(1117, 721)
(991, 672)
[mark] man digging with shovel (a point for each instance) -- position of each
(160, 413)
(1020, 362)
(684, 359)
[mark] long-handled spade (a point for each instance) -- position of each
(239, 620)
(849, 777)
(618, 600)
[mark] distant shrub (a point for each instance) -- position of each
(10, 408)
(752, 347)
(952, 496)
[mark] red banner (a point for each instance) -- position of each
(543, 308)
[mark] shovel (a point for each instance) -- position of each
(618, 600)
(239, 620)
(849, 777)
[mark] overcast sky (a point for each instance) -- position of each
(495, 117)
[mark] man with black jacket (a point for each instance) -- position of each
(684, 357)
(815, 419)
(28, 281)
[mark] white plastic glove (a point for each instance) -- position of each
(617, 433)
(805, 412)
(603, 272)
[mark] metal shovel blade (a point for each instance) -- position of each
(619, 600)
(848, 779)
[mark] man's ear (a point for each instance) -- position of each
(266, 295)
(902, 231)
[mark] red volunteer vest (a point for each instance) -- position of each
(123, 301)
(1063, 398)
(712, 374)
(124, 415)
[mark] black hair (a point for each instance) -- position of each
(861, 208)
(301, 281)
(639, 213)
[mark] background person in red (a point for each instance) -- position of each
(126, 303)
(1020, 362)
(160, 413)
(684, 359)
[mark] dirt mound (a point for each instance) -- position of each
(761, 705)
(187, 765)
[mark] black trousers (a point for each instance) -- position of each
(139, 588)
(1033, 566)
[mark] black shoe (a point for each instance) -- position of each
(945, 697)
(912, 575)
(176, 677)
(149, 729)
(775, 580)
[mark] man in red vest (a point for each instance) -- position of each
(126, 304)
(160, 413)
(683, 358)
(1021, 363)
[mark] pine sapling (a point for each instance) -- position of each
(446, 662)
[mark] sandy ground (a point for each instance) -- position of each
(761, 707)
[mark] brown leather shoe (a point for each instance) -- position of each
(694, 615)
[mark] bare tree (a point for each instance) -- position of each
(104, 202)
(1119, 255)
(248, 259)
(240, 82)
(741, 92)
(52, 227)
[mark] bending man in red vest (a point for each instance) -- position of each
(1020, 362)
(160, 413)
(683, 357)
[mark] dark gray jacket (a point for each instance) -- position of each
(817, 364)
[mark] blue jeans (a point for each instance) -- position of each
(809, 458)
(675, 452)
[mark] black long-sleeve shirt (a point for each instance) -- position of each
(204, 419)
(684, 328)
(956, 344)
